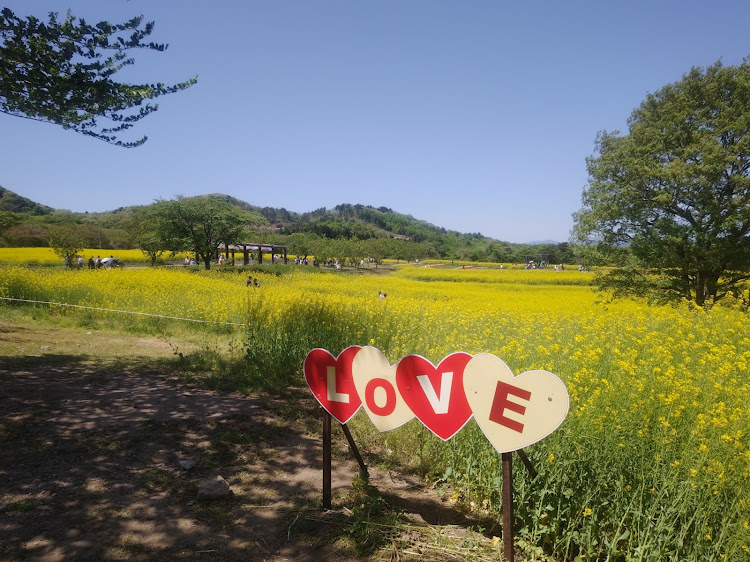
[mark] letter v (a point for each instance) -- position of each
(439, 405)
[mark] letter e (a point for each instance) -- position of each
(501, 403)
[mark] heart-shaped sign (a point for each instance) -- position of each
(513, 412)
(436, 394)
(331, 382)
(375, 380)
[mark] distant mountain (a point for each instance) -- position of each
(540, 242)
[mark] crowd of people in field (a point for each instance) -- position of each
(97, 263)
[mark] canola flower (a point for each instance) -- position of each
(652, 460)
(45, 256)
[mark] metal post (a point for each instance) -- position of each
(326, 460)
(508, 507)
(527, 463)
(355, 450)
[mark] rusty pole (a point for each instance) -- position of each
(527, 463)
(326, 460)
(362, 466)
(508, 507)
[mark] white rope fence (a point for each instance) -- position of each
(125, 312)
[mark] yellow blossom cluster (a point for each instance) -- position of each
(37, 256)
(656, 446)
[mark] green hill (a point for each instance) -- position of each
(13, 203)
(26, 223)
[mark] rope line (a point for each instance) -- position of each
(125, 312)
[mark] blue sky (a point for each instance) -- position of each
(476, 116)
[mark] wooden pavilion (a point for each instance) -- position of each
(251, 251)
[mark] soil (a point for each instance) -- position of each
(90, 468)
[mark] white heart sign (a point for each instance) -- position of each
(513, 412)
(375, 381)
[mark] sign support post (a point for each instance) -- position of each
(527, 463)
(508, 507)
(326, 460)
(355, 450)
(443, 398)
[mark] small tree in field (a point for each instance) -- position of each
(299, 244)
(142, 229)
(66, 243)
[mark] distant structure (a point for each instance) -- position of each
(539, 261)
(256, 249)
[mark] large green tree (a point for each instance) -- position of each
(62, 71)
(200, 224)
(675, 190)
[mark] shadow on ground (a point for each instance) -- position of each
(90, 469)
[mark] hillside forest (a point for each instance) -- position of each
(382, 232)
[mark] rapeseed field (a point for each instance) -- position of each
(45, 256)
(652, 462)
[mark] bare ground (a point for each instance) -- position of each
(90, 469)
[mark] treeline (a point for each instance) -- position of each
(347, 232)
(405, 237)
(351, 250)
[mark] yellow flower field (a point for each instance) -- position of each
(36, 256)
(653, 460)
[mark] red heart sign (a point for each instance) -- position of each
(330, 380)
(436, 394)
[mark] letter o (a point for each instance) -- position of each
(390, 397)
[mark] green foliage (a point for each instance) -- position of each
(676, 189)
(14, 203)
(199, 224)
(66, 242)
(373, 522)
(349, 232)
(142, 229)
(9, 219)
(61, 72)
(280, 348)
(26, 235)
(301, 245)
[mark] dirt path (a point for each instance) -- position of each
(90, 470)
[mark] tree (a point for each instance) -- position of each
(142, 229)
(200, 224)
(62, 72)
(676, 190)
(377, 249)
(9, 219)
(299, 244)
(66, 243)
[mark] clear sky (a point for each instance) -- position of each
(474, 115)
